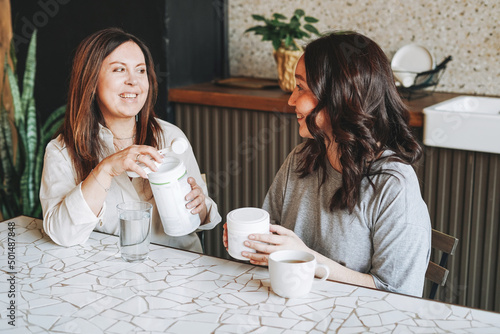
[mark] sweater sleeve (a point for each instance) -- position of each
(401, 237)
(67, 218)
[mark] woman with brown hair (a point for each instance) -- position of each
(349, 194)
(110, 127)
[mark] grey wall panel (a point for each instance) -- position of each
(462, 191)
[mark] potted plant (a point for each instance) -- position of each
(22, 142)
(284, 36)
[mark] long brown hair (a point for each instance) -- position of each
(80, 130)
(352, 80)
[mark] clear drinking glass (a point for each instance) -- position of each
(135, 230)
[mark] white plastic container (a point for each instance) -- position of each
(170, 187)
(241, 223)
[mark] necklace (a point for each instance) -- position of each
(114, 137)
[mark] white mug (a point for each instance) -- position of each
(292, 272)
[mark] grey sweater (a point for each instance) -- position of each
(387, 236)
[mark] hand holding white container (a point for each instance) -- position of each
(240, 224)
(170, 187)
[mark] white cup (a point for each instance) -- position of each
(292, 272)
(240, 224)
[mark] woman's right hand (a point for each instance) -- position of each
(96, 186)
(127, 159)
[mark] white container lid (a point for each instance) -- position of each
(178, 146)
(170, 170)
(247, 220)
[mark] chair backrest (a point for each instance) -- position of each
(437, 273)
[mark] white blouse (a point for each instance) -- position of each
(67, 218)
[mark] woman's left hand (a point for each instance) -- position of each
(279, 239)
(196, 200)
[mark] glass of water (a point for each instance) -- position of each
(135, 230)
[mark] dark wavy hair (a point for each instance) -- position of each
(352, 80)
(80, 129)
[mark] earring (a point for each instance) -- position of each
(136, 117)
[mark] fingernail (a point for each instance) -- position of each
(246, 243)
(251, 236)
(188, 198)
(244, 253)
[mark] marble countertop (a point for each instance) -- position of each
(90, 289)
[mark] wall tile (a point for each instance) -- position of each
(466, 30)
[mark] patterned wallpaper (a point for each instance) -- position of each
(467, 30)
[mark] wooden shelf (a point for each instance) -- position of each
(274, 99)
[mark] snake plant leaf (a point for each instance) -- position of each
(29, 73)
(12, 53)
(52, 124)
(7, 171)
(20, 179)
(31, 145)
(16, 95)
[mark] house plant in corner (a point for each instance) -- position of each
(284, 36)
(22, 142)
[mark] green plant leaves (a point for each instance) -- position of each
(278, 16)
(20, 179)
(284, 34)
(312, 29)
(258, 17)
(276, 43)
(311, 19)
(299, 13)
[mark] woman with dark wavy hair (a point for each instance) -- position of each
(349, 194)
(109, 127)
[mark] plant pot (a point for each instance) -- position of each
(285, 62)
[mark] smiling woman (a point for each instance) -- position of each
(109, 127)
(349, 194)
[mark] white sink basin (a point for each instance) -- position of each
(465, 122)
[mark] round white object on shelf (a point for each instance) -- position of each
(410, 60)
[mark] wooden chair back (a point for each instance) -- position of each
(437, 273)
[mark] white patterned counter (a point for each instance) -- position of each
(90, 289)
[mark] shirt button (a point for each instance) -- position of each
(100, 222)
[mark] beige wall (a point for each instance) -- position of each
(467, 30)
